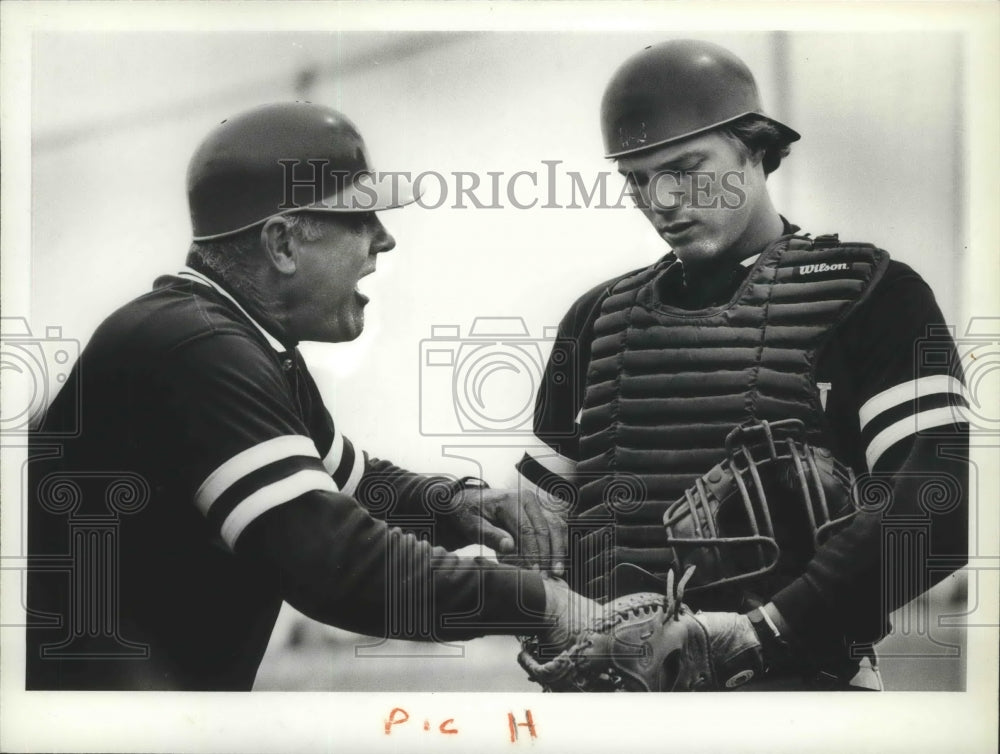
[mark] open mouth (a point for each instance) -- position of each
(357, 289)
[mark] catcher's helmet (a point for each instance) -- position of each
(281, 158)
(674, 90)
(774, 498)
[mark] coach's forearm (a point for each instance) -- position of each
(340, 566)
(393, 494)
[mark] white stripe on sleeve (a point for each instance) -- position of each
(908, 391)
(332, 460)
(892, 434)
(357, 471)
(272, 496)
(552, 461)
(251, 459)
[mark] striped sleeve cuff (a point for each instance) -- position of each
(548, 471)
(910, 408)
(344, 464)
(260, 478)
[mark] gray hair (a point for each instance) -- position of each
(233, 260)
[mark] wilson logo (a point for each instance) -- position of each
(812, 269)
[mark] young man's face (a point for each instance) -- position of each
(330, 307)
(705, 196)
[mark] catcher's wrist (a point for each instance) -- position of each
(451, 530)
(777, 621)
(467, 483)
(774, 641)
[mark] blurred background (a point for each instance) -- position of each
(116, 116)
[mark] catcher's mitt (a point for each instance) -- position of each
(650, 642)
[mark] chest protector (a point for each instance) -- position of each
(666, 386)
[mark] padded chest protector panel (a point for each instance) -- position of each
(666, 385)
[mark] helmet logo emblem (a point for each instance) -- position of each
(633, 138)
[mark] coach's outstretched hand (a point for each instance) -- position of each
(523, 527)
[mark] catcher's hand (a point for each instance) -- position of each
(649, 642)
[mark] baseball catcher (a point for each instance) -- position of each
(807, 346)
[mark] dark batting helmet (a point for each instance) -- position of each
(282, 158)
(674, 90)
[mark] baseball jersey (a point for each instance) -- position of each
(892, 393)
(189, 478)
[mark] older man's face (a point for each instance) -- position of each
(330, 307)
(703, 195)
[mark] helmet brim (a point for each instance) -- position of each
(789, 133)
(370, 192)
